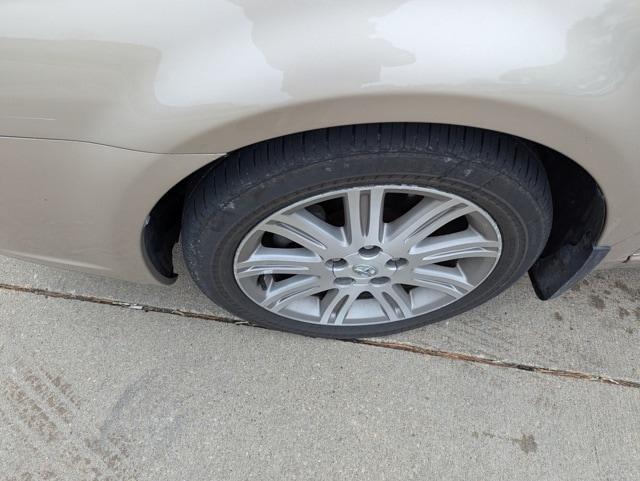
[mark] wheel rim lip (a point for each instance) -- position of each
(392, 187)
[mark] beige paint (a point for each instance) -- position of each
(68, 204)
(209, 76)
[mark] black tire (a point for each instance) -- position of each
(499, 173)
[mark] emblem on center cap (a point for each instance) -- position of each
(365, 270)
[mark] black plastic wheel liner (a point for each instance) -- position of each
(574, 254)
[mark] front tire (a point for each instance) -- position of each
(366, 230)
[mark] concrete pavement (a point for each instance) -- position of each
(94, 390)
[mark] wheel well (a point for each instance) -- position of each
(162, 226)
(578, 217)
(579, 214)
(576, 198)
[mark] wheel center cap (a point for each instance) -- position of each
(365, 270)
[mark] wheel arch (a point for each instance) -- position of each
(579, 217)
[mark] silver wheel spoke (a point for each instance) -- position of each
(281, 294)
(363, 213)
(395, 302)
(459, 245)
(312, 260)
(336, 305)
(423, 220)
(267, 260)
(308, 230)
(448, 280)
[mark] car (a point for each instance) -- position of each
(329, 168)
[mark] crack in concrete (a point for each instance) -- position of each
(457, 356)
(122, 304)
(395, 345)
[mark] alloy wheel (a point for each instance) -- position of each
(367, 255)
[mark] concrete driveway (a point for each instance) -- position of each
(106, 380)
